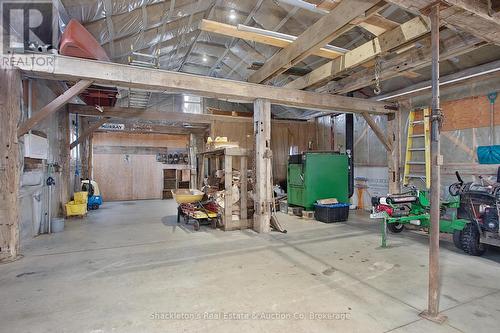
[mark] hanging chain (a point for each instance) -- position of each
(378, 69)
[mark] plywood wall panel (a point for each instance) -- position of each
(283, 135)
(113, 173)
(147, 175)
(470, 112)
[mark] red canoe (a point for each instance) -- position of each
(76, 41)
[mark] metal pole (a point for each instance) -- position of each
(432, 312)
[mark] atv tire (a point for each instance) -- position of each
(470, 240)
(395, 227)
(457, 239)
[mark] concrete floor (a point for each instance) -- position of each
(129, 266)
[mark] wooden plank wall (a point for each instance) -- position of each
(283, 135)
(131, 176)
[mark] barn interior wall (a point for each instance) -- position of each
(466, 126)
(34, 192)
(134, 174)
(284, 134)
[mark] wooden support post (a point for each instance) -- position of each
(84, 150)
(228, 195)
(243, 189)
(393, 139)
(65, 156)
(53, 106)
(10, 100)
(90, 157)
(263, 185)
(201, 171)
(193, 152)
(432, 312)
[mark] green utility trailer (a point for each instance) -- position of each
(317, 175)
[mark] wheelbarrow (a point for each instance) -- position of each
(192, 208)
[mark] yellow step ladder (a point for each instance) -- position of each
(418, 143)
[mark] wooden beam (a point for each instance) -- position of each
(88, 131)
(378, 131)
(145, 114)
(263, 184)
(68, 68)
(478, 26)
(328, 4)
(10, 98)
(466, 15)
(377, 24)
(386, 42)
(476, 7)
(53, 106)
(131, 150)
(319, 34)
(134, 126)
(232, 31)
(296, 71)
(413, 59)
(150, 115)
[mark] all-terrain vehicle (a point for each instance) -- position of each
(480, 205)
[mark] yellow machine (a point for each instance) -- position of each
(93, 193)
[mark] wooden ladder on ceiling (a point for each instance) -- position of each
(418, 148)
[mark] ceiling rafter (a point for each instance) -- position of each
(233, 40)
(462, 15)
(384, 43)
(319, 34)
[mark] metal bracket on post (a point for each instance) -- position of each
(437, 115)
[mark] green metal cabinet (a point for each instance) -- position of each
(317, 175)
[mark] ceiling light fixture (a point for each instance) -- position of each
(280, 35)
(305, 5)
(232, 14)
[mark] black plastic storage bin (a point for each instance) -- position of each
(331, 213)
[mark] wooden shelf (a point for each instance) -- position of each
(174, 178)
(228, 154)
